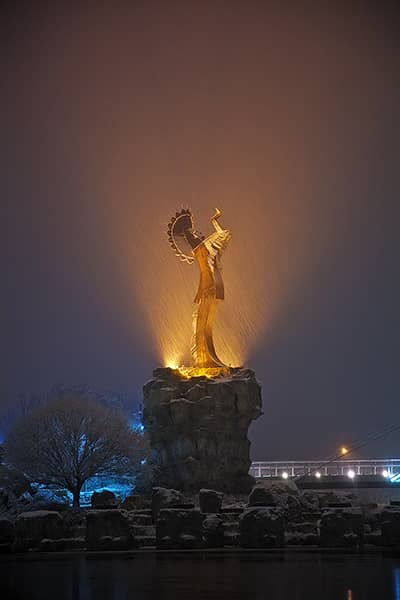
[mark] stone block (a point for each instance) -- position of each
(230, 523)
(136, 502)
(74, 523)
(32, 527)
(342, 528)
(164, 498)
(108, 529)
(261, 527)
(373, 538)
(104, 500)
(302, 534)
(210, 501)
(7, 534)
(213, 531)
(390, 526)
(177, 528)
(284, 494)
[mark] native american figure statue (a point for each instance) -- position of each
(190, 245)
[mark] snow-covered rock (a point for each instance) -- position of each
(32, 527)
(261, 527)
(108, 530)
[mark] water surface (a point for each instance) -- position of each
(195, 576)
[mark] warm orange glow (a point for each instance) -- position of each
(151, 131)
(282, 233)
(172, 362)
(258, 283)
(343, 450)
(210, 373)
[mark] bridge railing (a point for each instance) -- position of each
(386, 467)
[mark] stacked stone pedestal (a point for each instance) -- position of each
(198, 429)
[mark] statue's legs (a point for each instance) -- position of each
(203, 350)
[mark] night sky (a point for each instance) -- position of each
(115, 114)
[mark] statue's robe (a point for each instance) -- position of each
(211, 289)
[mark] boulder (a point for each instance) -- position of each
(261, 527)
(213, 531)
(390, 526)
(165, 498)
(342, 528)
(7, 533)
(210, 501)
(136, 502)
(261, 496)
(282, 493)
(32, 527)
(108, 530)
(276, 490)
(104, 500)
(178, 528)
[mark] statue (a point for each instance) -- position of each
(197, 416)
(190, 245)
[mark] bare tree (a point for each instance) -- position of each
(72, 439)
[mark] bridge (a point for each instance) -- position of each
(388, 468)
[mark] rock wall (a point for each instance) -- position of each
(274, 516)
(198, 429)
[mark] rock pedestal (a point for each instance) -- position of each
(198, 429)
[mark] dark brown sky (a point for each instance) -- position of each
(113, 115)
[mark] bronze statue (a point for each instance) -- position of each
(207, 251)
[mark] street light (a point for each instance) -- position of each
(351, 474)
(285, 475)
(318, 475)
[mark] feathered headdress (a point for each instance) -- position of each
(177, 226)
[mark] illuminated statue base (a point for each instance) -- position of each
(197, 427)
(208, 372)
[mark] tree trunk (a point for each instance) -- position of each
(76, 495)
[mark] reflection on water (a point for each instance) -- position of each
(397, 584)
(185, 576)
